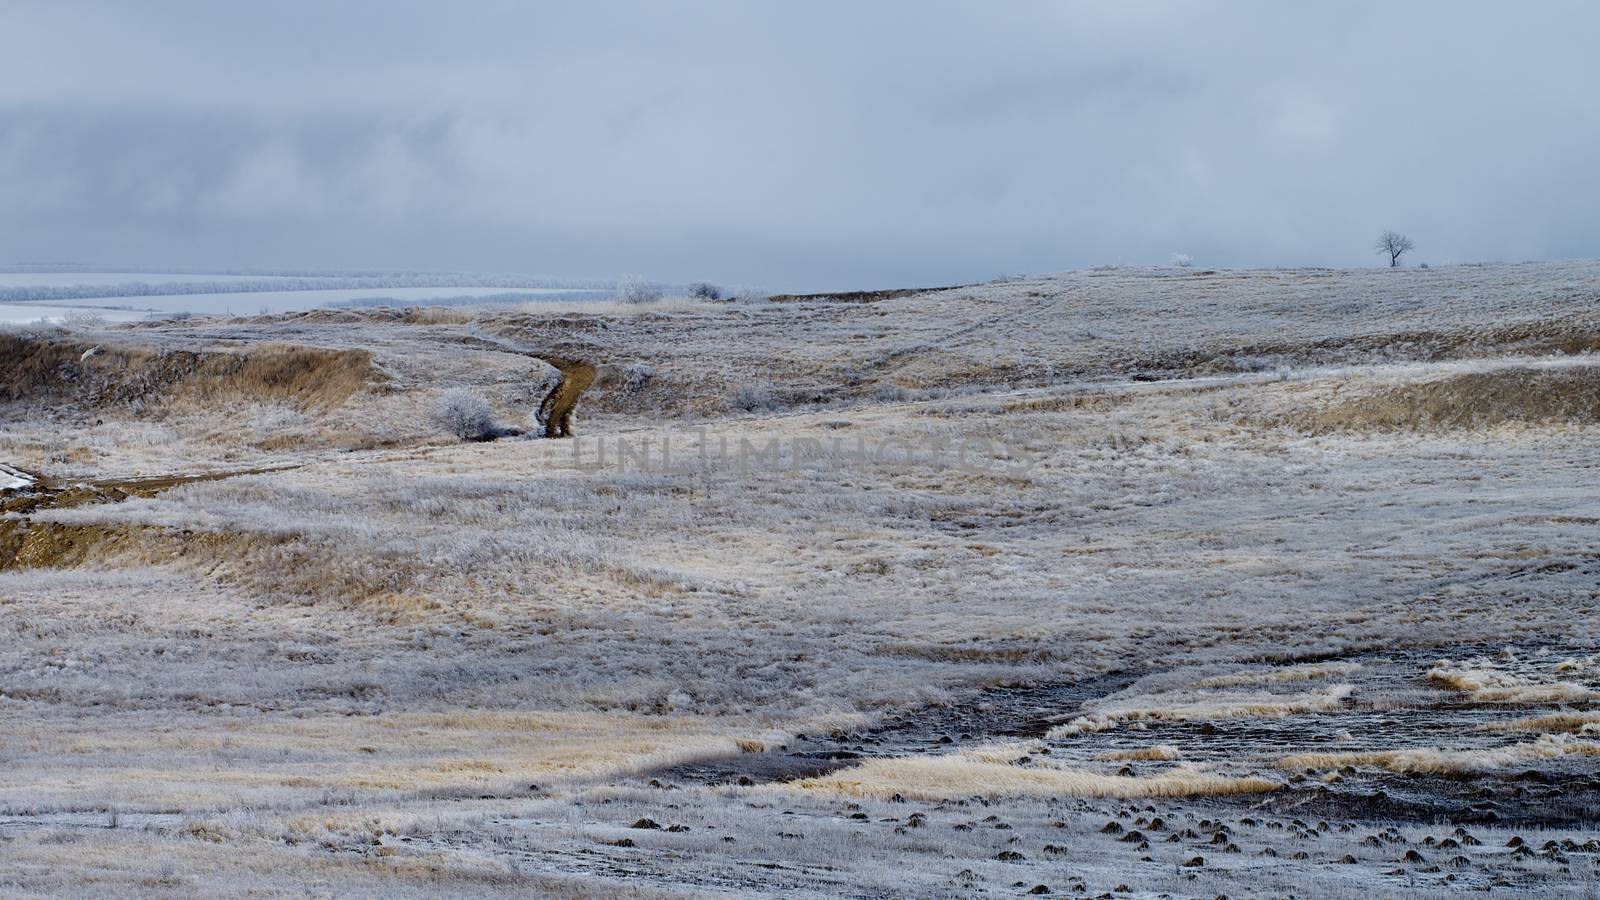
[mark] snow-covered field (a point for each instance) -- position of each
(1137, 582)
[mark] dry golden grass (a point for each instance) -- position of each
(305, 376)
(1568, 395)
(1587, 723)
(1283, 675)
(1445, 762)
(396, 755)
(1486, 685)
(1185, 707)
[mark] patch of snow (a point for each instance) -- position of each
(12, 479)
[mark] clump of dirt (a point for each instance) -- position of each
(25, 544)
(50, 494)
(98, 376)
(45, 496)
(1569, 395)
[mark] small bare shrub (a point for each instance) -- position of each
(705, 290)
(636, 376)
(166, 872)
(634, 289)
(83, 318)
(464, 414)
(889, 392)
(753, 396)
(1183, 260)
(37, 330)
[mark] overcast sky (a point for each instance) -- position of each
(795, 144)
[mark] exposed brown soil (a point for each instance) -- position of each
(981, 715)
(29, 543)
(47, 493)
(25, 544)
(557, 408)
(102, 375)
(858, 296)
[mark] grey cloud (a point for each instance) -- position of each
(798, 146)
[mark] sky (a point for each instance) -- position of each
(794, 146)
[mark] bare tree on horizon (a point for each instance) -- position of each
(1393, 243)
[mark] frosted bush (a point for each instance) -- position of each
(753, 396)
(636, 376)
(464, 414)
(269, 417)
(705, 290)
(83, 318)
(635, 289)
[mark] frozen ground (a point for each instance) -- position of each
(1136, 582)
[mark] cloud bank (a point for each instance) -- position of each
(817, 145)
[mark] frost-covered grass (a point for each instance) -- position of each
(362, 666)
(1090, 326)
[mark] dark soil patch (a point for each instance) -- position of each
(1019, 711)
(857, 296)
